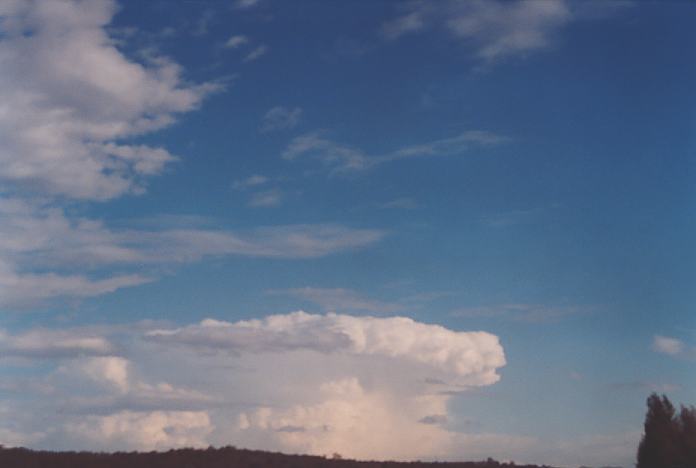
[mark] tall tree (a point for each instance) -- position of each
(669, 440)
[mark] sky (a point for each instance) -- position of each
(388, 229)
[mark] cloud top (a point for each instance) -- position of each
(473, 356)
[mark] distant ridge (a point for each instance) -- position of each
(224, 457)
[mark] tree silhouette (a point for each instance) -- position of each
(669, 439)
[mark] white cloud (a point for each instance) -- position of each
(342, 158)
(281, 118)
(112, 370)
(36, 237)
(667, 345)
(352, 421)
(364, 387)
(236, 41)
(69, 98)
(144, 430)
(53, 344)
(472, 357)
(256, 53)
(495, 29)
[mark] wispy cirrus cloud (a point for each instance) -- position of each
(46, 254)
(495, 29)
(256, 53)
(339, 157)
(280, 118)
(236, 41)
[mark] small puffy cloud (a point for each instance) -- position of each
(281, 118)
(257, 53)
(236, 41)
(667, 345)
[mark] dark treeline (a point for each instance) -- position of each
(669, 437)
(225, 457)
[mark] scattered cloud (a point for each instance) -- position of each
(342, 158)
(667, 345)
(493, 29)
(257, 53)
(341, 300)
(65, 119)
(280, 118)
(236, 41)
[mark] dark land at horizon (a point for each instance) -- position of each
(224, 457)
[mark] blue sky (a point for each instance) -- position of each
(492, 201)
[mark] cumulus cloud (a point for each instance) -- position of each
(473, 357)
(143, 430)
(343, 158)
(294, 382)
(70, 97)
(281, 118)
